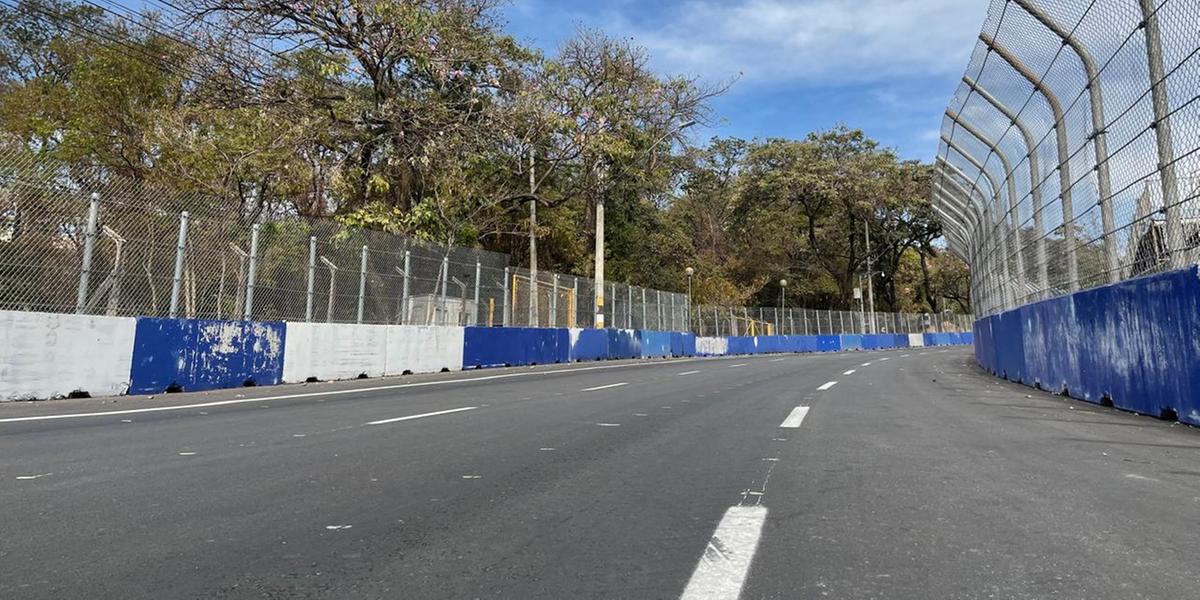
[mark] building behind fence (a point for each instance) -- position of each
(1069, 153)
(73, 239)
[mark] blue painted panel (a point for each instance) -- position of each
(683, 344)
(654, 344)
(161, 357)
(492, 347)
(545, 346)
(852, 342)
(829, 343)
(623, 343)
(966, 338)
(808, 343)
(741, 344)
(196, 355)
(590, 344)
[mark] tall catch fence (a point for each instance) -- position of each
(75, 239)
(1068, 154)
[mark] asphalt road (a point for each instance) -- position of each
(914, 476)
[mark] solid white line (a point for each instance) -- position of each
(795, 418)
(604, 387)
(827, 385)
(689, 372)
(722, 569)
(737, 365)
(378, 388)
(422, 415)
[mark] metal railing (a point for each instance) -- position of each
(1068, 154)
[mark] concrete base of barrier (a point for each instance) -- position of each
(1131, 345)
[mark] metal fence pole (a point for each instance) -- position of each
(89, 245)
(1162, 133)
(658, 310)
(628, 306)
(554, 301)
(312, 275)
(407, 308)
(362, 285)
(445, 276)
(612, 310)
(180, 251)
(644, 326)
(674, 320)
(252, 277)
(504, 311)
(573, 319)
(478, 272)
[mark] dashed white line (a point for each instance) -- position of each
(422, 415)
(866, 364)
(905, 355)
(883, 359)
(826, 385)
(28, 477)
(850, 372)
(604, 387)
(795, 418)
(689, 372)
(608, 424)
(737, 365)
(187, 453)
(777, 359)
(722, 569)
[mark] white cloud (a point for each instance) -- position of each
(811, 41)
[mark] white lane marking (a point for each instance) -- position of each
(883, 359)
(640, 415)
(905, 355)
(850, 372)
(546, 449)
(722, 569)
(1127, 476)
(604, 387)
(737, 365)
(337, 527)
(378, 388)
(608, 424)
(28, 477)
(795, 418)
(827, 385)
(422, 415)
(777, 359)
(866, 364)
(187, 453)
(472, 476)
(689, 372)
(923, 354)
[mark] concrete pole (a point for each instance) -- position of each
(504, 312)
(404, 291)
(445, 277)
(362, 285)
(180, 253)
(89, 246)
(554, 301)
(598, 285)
(312, 274)
(870, 276)
(478, 274)
(252, 278)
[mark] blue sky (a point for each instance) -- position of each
(885, 66)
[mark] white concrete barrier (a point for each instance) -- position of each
(45, 355)
(916, 340)
(329, 351)
(712, 346)
(423, 349)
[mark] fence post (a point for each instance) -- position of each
(628, 306)
(252, 278)
(362, 285)
(445, 276)
(180, 251)
(674, 318)
(612, 311)
(406, 309)
(658, 309)
(89, 245)
(644, 309)
(554, 300)
(312, 275)
(1162, 133)
(573, 318)
(504, 306)
(478, 271)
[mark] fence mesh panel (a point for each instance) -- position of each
(1068, 157)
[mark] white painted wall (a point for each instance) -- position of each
(712, 346)
(44, 355)
(916, 340)
(423, 349)
(333, 351)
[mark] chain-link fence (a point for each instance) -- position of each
(722, 320)
(1068, 154)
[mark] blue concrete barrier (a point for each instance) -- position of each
(511, 346)
(683, 344)
(852, 342)
(654, 344)
(623, 343)
(1130, 344)
(589, 344)
(196, 355)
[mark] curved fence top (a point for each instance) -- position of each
(1069, 153)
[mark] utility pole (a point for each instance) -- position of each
(533, 265)
(870, 287)
(598, 275)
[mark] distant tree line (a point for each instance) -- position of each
(423, 117)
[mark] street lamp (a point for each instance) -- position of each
(782, 303)
(690, 271)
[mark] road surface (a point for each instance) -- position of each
(898, 474)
